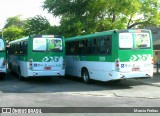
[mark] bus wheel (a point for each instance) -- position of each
(85, 76)
(20, 76)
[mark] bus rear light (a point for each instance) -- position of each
(64, 64)
(117, 65)
(117, 62)
(30, 63)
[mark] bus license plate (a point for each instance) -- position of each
(47, 68)
(135, 69)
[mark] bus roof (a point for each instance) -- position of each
(22, 39)
(91, 35)
(97, 34)
(34, 36)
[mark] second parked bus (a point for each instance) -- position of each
(110, 55)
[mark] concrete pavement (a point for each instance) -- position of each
(154, 81)
(151, 92)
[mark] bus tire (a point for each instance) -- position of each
(85, 76)
(21, 78)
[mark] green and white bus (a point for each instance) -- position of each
(110, 55)
(37, 55)
(3, 70)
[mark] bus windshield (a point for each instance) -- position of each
(47, 44)
(2, 45)
(134, 40)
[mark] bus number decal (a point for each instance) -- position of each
(102, 58)
(51, 59)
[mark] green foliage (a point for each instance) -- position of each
(37, 25)
(14, 21)
(13, 33)
(14, 28)
(89, 16)
(53, 30)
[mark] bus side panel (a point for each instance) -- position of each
(13, 63)
(104, 71)
(98, 70)
(100, 67)
(71, 68)
(24, 68)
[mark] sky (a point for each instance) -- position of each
(25, 8)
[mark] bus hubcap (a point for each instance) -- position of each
(85, 76)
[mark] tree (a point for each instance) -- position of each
(13, 33)
(14, 21)
(99, 15)
(53, 30)
(37, 25)
(14, 28)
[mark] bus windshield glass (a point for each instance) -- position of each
(47, 44)
(2, 45)
(134, 40)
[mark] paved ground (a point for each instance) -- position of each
(72, 92)
(154, 81)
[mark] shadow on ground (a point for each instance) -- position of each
(59, 84)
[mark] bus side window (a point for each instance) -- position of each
(76, 47)
(86, 46)
(13, 46)
(105, 45)
(73, 48)
(89, 46)
(18, 48)
(10, 49)
(25, 47)
(108, 45)
(81, 47)
(67, 48)
(95, 46)
(21, 48)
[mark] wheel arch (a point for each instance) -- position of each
(84, 68)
